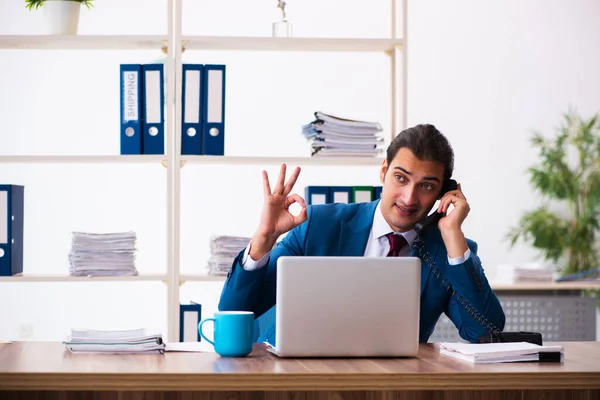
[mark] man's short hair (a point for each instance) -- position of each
(426, 143)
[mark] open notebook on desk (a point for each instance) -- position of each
(480, 353)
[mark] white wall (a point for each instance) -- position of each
(486, 74)
(483, 73)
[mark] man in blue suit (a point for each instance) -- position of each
(415, 174)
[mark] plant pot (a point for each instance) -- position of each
(61, 17)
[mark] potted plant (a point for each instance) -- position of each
(61, 16)
(568, 174)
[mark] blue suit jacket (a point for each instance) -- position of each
(343, 230)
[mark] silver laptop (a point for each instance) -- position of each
(347, 307)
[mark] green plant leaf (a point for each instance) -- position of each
(544, 230)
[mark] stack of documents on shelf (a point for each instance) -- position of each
(223, 251)
(481, 353)
(333, 136)
(133, 341)
(102, 254)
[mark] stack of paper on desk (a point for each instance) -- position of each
(133, 341)
(501, 352)
(103, 254)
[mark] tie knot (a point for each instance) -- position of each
(397, 243)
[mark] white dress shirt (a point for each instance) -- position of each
(377, 245)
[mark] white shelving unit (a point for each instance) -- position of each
(158, 43)
(173, 46)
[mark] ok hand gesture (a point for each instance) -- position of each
(276, 219)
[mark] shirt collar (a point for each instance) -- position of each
(381, 227)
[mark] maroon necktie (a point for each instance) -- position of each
(397, 243)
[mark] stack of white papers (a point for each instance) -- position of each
(134, 341)
(534, 273)
(525, 273)
(102, 254)
(223, 251)
(334, 136)
(479, 353)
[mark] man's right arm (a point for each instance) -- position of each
(254, 290)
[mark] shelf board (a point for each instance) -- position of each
(200, 278)
(302, 161)
(82, 42)
(140, 159)
(67, 278)
(581, 285)
(289, 44)
(119, 159)
(157, 42)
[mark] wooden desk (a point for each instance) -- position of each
(31, 370)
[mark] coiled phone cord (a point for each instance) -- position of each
(480, 319)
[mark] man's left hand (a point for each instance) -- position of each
(450, 225)
(454, 219)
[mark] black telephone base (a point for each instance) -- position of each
(530, 337)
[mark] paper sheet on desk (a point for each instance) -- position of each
(192, 347)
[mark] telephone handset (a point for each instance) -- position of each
(432, 219)
(494, 334)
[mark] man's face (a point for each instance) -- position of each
(410, 188)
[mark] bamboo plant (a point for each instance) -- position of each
(567, 174)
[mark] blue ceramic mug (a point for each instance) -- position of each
(232, 334)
